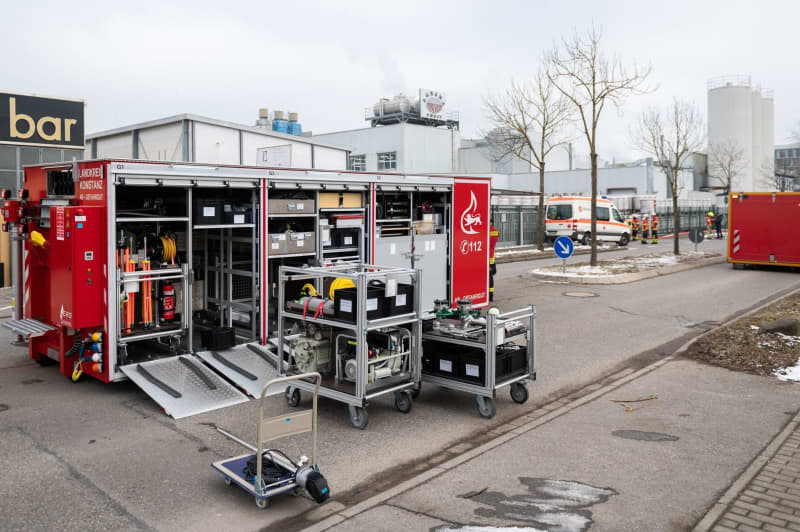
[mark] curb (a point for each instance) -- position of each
(624, 278)
(519, 257)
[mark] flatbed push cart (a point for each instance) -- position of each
(358, 325)
(247, 471)
(480, 356)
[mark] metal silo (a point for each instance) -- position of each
(743, 113)
(768, 131)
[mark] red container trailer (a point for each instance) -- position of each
(764, 228)
(128, 266)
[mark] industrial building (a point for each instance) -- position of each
(414, 135)
(742, 114)
(192, 138)
(787, 165)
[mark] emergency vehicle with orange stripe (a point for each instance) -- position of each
(572, 216)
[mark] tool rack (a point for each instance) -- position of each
(488, 340)
(401, 385)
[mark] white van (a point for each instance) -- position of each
(572, 216)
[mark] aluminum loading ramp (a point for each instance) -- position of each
(250, 367)
(183, 385)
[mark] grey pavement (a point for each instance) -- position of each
(658, 467)
(148, 470)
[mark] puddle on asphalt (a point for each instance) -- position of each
(548, 505)
(644, 436)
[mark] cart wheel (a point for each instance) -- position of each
(292, 396)
(486, 407)
(296, 492)
(358, 417)
(519, 393)
(227, 481)
(416, 391)
(403, 401)
(262, 502)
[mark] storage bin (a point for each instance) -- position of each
(290, 206)
(344, 238)
(218, 338)
(207, 211)
(472, 367)
(424, 227)
(512, 360)
(351, 200)
(302, 242)
(238, 217)
(345, 304)
(402, 302)
(277, 244)
(348, 220)
(329, 200)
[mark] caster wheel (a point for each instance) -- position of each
(296, 492)
(403, 401)
(486, 407)
(358, 417)
(519, 393)
(292, 396)
(262, 502)
(227, 481)
(416, 391)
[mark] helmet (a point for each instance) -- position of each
(635, 217)
(710, 213)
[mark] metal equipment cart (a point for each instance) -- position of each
(383, 352)
(272, 429)
(480, 375)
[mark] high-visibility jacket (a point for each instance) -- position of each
(644, 225)
(494, 236)
(654, 223)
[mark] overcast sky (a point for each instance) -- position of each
(137, 61)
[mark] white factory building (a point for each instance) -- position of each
(192, 138)
(411, 134)
(741, 114)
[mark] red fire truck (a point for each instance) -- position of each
(763, 228)
(129, 262)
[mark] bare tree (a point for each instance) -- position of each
(529, 121)
(671, 138)
(726, 161)
(589, 80)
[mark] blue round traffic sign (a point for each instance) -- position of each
(563, 247)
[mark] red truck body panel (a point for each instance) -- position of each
(764, 228)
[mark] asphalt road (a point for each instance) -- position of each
(116, 461)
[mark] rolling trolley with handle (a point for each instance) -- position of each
(269, 472)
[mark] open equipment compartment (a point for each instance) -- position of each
(479, 355)
(359, 357)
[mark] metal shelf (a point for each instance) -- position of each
(332, 323)
(339, 250)
(289, 255)
(225, 226)
(292, 215)
(393, 220)
(144, 336)
(152, 219)
(342, 209)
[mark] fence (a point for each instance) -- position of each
(517, 224)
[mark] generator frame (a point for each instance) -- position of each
(485, 394)
(361, 275)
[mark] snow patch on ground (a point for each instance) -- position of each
(792, 373)
(621, 266)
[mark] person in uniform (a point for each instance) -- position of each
(709, 224)
(494, 235)
(654, 229)
(645, 228)
(634, 225)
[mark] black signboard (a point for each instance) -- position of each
(35, 121)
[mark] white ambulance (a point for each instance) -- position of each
(572, 216)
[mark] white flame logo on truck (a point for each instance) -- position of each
(471, 217)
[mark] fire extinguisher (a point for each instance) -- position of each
(167, 302)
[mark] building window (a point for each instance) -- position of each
(357, 163)
(387, 160)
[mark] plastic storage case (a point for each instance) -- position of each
(218, 338)
(345, 305)
(207, 211)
